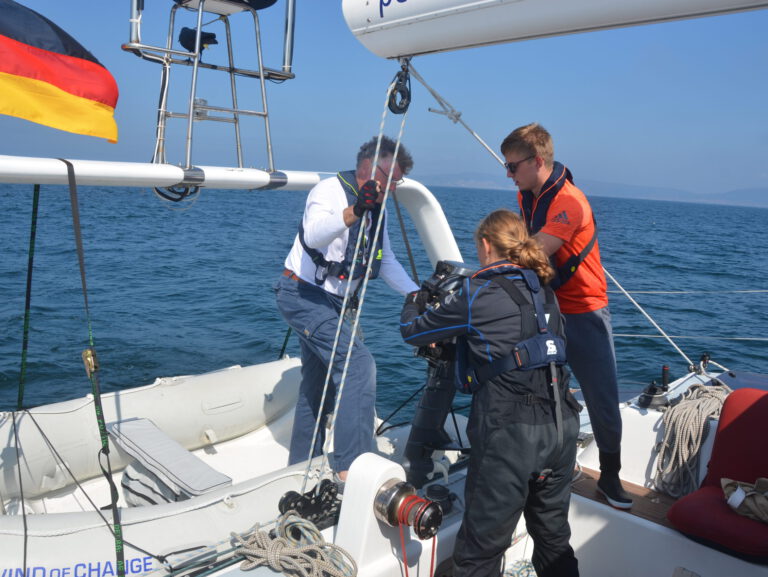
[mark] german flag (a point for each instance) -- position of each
(47, 77)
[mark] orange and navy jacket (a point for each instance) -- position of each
(563, 211)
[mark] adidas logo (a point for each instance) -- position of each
(561, 218)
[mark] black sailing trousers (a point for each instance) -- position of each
(502, 484)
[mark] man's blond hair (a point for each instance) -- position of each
(531, 139)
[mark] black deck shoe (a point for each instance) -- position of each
(610, 487)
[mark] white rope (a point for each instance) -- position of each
(297, 549)
(686, 426)
(364, 281)
(367, 275)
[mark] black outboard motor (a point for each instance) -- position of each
(427, 431)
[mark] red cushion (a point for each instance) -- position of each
(738, 453)
(704, 514)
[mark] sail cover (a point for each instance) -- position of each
(394, 28)
(47, 77)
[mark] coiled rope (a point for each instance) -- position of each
(686, 426)
(298, 549)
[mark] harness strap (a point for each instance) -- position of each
(341, 269)
(522, 355)
(92, 368)
(515, 359)
(569, 267)
(558, 405)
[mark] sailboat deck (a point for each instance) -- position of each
(648, 504)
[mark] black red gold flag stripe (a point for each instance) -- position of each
(47, 77)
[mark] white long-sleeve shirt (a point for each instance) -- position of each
(324, 230)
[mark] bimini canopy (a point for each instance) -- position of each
(393, 28)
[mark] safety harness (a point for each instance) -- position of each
(531, 353)
(325, 268)
(536, 219)
(543, 349)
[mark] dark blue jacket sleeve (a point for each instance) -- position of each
(448, 318)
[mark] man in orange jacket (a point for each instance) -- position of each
(560, 217)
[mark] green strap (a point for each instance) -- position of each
(27, 304)
(285, 343)
(92, 369)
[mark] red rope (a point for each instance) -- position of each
(434, 550)
(403, 514)
(402, 546)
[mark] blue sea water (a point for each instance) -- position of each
(182, 291)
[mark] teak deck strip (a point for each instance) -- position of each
(648, 504)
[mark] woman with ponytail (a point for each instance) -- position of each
(523, 422)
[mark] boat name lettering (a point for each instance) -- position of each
(384, 3)
(135, 566)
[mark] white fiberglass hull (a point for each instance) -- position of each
(607, 542)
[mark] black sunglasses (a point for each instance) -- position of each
(386, 174)
(512, 166)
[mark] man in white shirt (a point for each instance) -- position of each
(311, 291)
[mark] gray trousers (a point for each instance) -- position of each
(593, 362)
(314, 315)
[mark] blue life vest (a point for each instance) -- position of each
(367, 251)
(540, 349)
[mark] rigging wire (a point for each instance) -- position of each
(20, 402)
(452, 114)
(647, 316)
(455, 116)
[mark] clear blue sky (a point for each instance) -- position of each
(679, 105)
